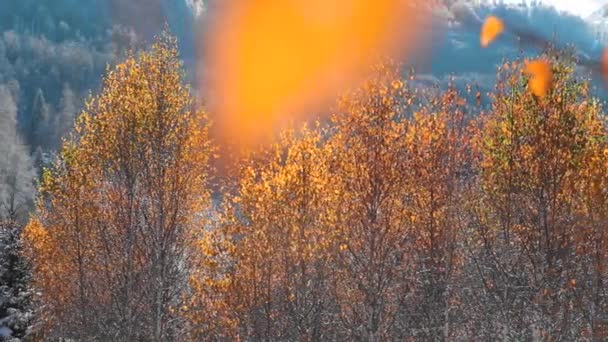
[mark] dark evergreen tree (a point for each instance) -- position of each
(40, 116)
(16, 310)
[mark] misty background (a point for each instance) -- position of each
(54, 54)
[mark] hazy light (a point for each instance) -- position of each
(276, 61)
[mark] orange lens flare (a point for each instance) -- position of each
(273, 62)
(541, 76)
(604, 64)
(490, 30)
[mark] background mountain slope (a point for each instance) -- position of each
(52, 54)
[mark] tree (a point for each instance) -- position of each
(16, 167)
(40, 120)
(109, 241)
(280, 234)
(16, 297)
(368, 158)
(437, 173)
(64, 119)
(535, 158)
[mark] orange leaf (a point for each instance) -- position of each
(490, 30)
(541, 76)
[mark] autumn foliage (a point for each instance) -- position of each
(411, 214)
(117, 210)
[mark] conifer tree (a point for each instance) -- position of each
(16, 296)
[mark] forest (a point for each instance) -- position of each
(410, 213)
